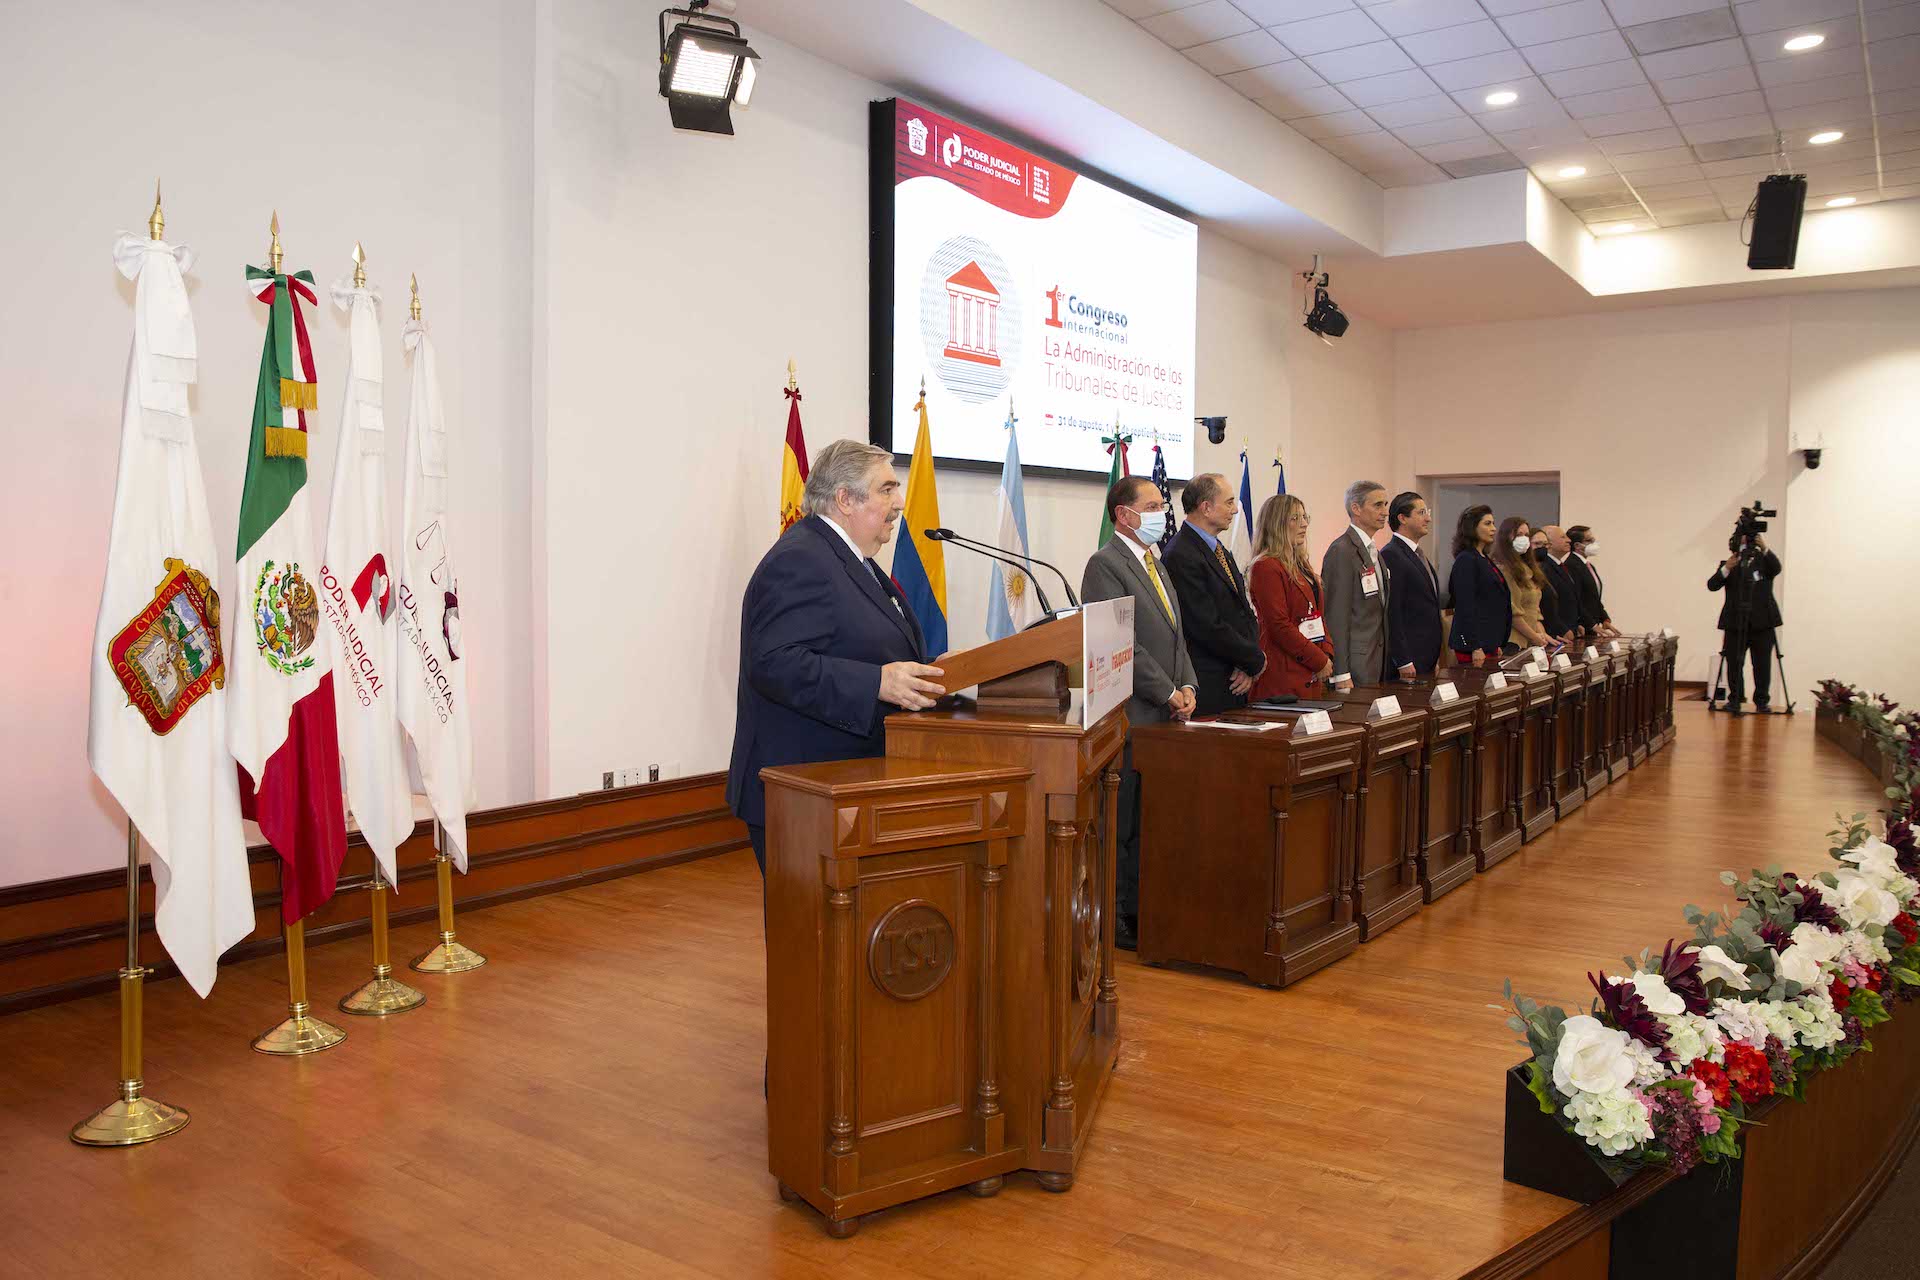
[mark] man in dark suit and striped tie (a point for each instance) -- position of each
(1414, 633)
(1223, 635)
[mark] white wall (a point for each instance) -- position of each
(404, 126)
(1663, 422)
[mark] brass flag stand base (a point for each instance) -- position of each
(447, 955)
(300, 1033)
(383, 994)
(130, 1119)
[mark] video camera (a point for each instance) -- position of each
(1751, 522)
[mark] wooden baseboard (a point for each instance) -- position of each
(61, 939)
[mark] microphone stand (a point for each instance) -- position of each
(1046, 606)
(1001, 553)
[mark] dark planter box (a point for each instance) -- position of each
(1542, 1155)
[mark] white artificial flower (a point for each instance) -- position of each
(1690, 1038)
(1647, 1067)
(1816, 1023)
(1821, 943)
(1798, 964)
(1717, 964)
(1658, 996)
(1746, 1022)
(1614, 1121)
(1900, 731)
(1875, 858)
(1860, 900)
(1864, 950)
(1591, 1058)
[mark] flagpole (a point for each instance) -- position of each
(299, 1033)
(448, 955)
(131, 1119)
(383, 994)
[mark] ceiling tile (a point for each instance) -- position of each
(1666, 158)
(1616, 197)
(1360, 61)
(1581, 51)
(1838, 33)
(1291, 104)
(1609, 75)
(1271, 13)
(1622, 144)
(1732, 104)
(1668, 174)
(1599, 182)
(1334, 125)
(1851, 114)
(1398, 115)
(1510, 119)
(1237, 53)
(1549, 137)
(1371, 148)
(1397, 86)
(1612, 101)
(1627, 122)
(1675, 33)
(1475, 166)
(1449, 44)
(1632, 12)
(1464, 149)
(1654, 194)
(1833, 89)
(1711, 85)
(1904, 21)
(1561, 22)
(1274, 77)
(1668, 210)
(1210, 20)
(1501, 8)
(1695, 59)
(1147, 8)
(1731, 127)
(1814, 64)
(1435, 132)
(1769, 15)
(1714, 214)
(1409, 175)
(1408, 17)
(1334, 31)
(1470, 73)
(1897, 100)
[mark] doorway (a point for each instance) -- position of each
(1532, 494)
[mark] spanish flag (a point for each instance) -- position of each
(793, 463)
(919, 564)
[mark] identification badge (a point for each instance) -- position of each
(1313, 628)
(1756, 575)
(1369, 582)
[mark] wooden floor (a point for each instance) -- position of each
(589, 1104)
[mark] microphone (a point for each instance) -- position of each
(998, 553)
(948, 535)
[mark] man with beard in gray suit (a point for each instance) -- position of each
(1163, 678)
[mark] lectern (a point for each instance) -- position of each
(941, 1004)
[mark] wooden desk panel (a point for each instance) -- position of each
(1533, 796)
(1569, 739)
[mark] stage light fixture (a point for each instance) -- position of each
(706, 68)
(1216, 428)
(1574, 171)
(1825, 136)
(1502, 98)
(1800, 44)
(1840, 202)
(1324, 315)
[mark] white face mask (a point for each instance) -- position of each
(1153, 526)
(1589, 549)
(1522, 545)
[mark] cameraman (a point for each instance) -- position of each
(1748, 616)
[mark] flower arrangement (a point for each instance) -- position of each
(1894, 733)
(1673, 1055)
(1833, 695)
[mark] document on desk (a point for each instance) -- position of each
(1262, 727)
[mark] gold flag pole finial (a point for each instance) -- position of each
(359, 266)
(274, 254)
(413, 307)
(156, 221)
(792, 383)
(923, 386)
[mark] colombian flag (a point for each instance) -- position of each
(920, 565)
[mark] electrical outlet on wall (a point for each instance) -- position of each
(653, 773)
(606, 780)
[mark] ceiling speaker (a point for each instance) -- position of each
(1777, 207)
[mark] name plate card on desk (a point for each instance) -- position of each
(1539, 654)
(1592, 654)
(1561, 662)
(1312, 722)
(1443, 693)
(1384, 707)
(1498, 680)
(1613, 646)
(1532, 671)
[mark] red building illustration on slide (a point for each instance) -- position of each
(973, 317)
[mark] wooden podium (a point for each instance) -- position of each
(941, 1004)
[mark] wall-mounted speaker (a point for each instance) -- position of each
(1777, 206)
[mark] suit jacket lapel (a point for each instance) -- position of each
(870, 586)
(1138, 569)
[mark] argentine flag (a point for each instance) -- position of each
(1012, 604)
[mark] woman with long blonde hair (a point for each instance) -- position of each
(1287, 596)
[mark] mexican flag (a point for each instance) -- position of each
(281, 726)
(157, 728)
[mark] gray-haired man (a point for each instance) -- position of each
(1355, 581)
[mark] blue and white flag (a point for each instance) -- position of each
(1281, 467)
(1246, 500)
(1012, 603)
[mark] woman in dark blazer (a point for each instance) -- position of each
(1482, 608)
(1286, 595)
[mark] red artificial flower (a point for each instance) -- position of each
(1907, 928)
(1840, 991)
(1716, 1080)
(1751, 1074)
(1875, 978)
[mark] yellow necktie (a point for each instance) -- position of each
(1153, 576)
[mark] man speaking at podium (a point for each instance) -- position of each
(1163, 678)
(827, 644)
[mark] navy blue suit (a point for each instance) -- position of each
(1482, 608)
(816, 626)
(1413, 610)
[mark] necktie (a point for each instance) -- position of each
(881, 579)
(1220, 554)
(1153, 576)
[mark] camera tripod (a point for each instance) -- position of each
(1717, 697)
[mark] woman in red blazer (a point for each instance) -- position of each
(1287, 596)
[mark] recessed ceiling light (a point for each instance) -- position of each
(1825, 136)
(1619, 228)
(1574, 171)
(1839, 202)
(1799, 44)
(1502, 97)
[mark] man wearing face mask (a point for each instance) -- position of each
(1560, 606)
(1586, 580)
(1163, 677)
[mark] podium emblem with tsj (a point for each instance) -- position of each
(1108, 651)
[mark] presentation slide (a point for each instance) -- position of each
(1013, 280)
